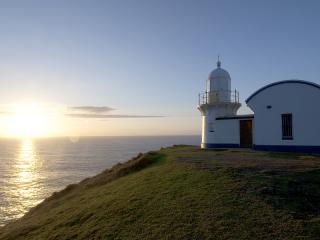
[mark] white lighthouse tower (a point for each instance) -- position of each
(217, 101)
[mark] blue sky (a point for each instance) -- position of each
(148, 57)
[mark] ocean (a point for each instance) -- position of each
(32, 169)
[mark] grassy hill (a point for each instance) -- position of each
(185, 193)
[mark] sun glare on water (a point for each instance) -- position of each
(29, 120)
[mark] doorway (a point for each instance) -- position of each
(246, 133)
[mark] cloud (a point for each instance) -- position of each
(88, 112)
(99, 112)
(102, 116)
(90, 109)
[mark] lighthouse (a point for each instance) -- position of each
(216, 102)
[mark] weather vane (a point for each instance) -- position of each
(218, 63)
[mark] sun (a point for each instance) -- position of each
(28, 120)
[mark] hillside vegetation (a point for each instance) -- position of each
(183, 192)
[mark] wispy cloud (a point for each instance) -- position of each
(84, 115)
(100, 112)
(90, 109)
(93, 112)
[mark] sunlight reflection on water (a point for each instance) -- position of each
(32, 169)
(25, 179)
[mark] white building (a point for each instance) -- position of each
(286, 116)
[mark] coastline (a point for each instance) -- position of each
(184, 192)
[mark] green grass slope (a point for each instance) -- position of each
(185, 193)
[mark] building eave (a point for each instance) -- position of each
(246, 116)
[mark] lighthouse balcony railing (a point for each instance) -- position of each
(214, 97)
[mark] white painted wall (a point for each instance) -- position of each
(227, 131)
(301, 100)
(209, 115)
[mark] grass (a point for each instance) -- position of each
(297, 192)
(184, 193)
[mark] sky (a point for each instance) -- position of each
(105, 68)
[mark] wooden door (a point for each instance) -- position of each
(246, 133)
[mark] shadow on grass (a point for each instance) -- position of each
(290, 155)
(216, 149)
(297, 193)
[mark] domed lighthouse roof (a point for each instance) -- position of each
(219, 73)
(219, 81)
